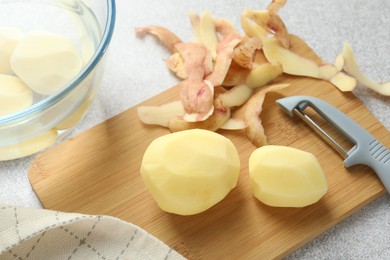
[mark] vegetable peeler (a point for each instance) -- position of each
(367, 149)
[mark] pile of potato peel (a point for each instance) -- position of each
(225, 76)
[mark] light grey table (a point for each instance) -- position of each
(135, 71)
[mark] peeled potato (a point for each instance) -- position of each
(14, 95)
(46, 62)
(9, 38)
(188, 172)
(28, 147)
(75, 117)
(283, 176)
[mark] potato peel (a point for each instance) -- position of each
(250, 114)
(339, 62)
(195, 22)
(343, 82)
(219, 116)
(236, 75)
(176, 64)
(276, 5)
(272, 23)
(244, 53)
(328, 71)
(197, 60)
(236, 96)
(167, 38)
(252, 29)
(275, 52)
(225, 75)
(224, 59)
(352, 68)
(264, 74)
(224, 28)
(160, 115)
(208, 33)
(197, 99)
(233, 124)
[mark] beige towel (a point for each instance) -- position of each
(27, 233)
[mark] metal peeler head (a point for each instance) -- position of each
(296, 105)
(291, 103)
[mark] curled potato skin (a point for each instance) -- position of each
(224, 28)
(250, 114)
(224, 59)
(176, 64)
(196, 60)
(197, 98)
(245, 52)
(160, 115)
(276, 5)
(167, 37)
(236, 75)
(270, 22)
(351, 66)
(220, 115)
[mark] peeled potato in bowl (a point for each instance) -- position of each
(51, 65)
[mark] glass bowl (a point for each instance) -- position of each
(89, 26)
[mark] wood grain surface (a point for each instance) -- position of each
(97, 172)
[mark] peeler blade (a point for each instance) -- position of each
(367, 149)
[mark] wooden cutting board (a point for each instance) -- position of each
(97, 172)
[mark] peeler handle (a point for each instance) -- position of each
(383, 173)
(374, 155)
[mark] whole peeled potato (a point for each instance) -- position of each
(188, 172)
(14, 95)
(283, 176)
(28, 147)
(9, 39)
(46, 62)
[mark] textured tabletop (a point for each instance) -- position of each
(135, 71)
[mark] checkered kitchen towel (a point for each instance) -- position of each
(27, 233)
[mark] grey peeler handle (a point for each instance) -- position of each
(376, 156)
(367, 150)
